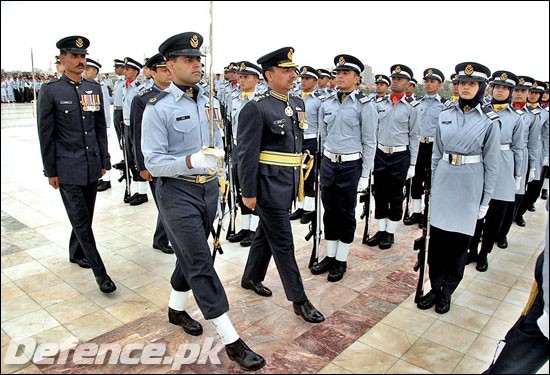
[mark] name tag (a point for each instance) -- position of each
(181, 118)
(277, 122)
(446, 122)
(65, 102)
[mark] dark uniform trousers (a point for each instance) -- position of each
(447, 256)
(239, 197)
(526, 348)
(339, 194)
(79, 201)
(532, 193)
(188, 210)
(309, 183)
(274, 238)
(422, 172)
(390, 172)
(489, 227)
(160, 238)
(509, 217)
(118, 124)
(130, 152)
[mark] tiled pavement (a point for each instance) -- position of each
(372, 324)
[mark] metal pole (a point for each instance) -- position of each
(210, 82)
(33, 85)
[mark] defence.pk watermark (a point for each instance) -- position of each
(27, 350)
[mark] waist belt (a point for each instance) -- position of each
(456, 159)
(426, 139)
(505, 147)
(340, 158)
(310, 136)
(391, 149)
(197, 179)
(283, 159)
(118, 108)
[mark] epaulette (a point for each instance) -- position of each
(260, 97)
(536, 111)
(546, 109)
(448, 103)
(363, 98)
(235, 95)
(490, 112)
(412, 101)
(158, 97)
(443, 100)
(319, 95)
(91, 81)
(519, 112)
(143, 92)
(297, 96)
(378, 100)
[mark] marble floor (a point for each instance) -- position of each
(372, 324)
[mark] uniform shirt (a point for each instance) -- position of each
(117, 91)
(128, 94)
(459, 190)
(176, 126)
(234, 107)
(73, 139)
(313, 103)
(511, 161)
(533, 133)
(146, 84)
(399, 125)
(349, 127)
(107, 100)
(264, 125)
(430, 108)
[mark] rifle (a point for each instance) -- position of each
(125, 168)
(422, 244)
(365, 199)
(217, 246)
(408, 188)
(315, 224)
(231, 194)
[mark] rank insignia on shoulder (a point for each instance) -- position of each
(488, 110)
(362, 98)
(143, 92)
(259, 97)
(535, 111)
(412, 101)
(519, 112)
(154, 100)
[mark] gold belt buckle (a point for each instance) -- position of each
(335, 158)
(389, 149)
(456, 159)
(201, 179)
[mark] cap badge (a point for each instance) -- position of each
(79, 43)
(397, 69)
(535, 84)
(503, 77)
(243, 66)
(126, 60)
(341, 60)
(379, 78)
(194, 41)
(469, 70)
(290, 53)
(304, 70)
(430, 72)
(521, 81)
(319, 71)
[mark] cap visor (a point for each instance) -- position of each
(288, 64)
(77, 51)
(471, 79)
(187, 52)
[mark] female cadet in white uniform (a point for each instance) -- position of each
(465, 161)
(510, 167)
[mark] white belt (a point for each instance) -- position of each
(461, 159)
(340, 158)
(310, 136)
(391, 149)
(505, 147)
(426, 139)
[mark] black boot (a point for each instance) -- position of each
(531, 208)
(239, 236)
(323, 266)
(520, 221)
(139, 199)
(239, 352)
(482, 263)
(106, 285)
(103, 185)
(247, 241)
(444, 304)
(182, 318)
(387, 241)
(307, 216)
(128, 197)
(375, 240)
(426, 302)
(503, 243)
(544, 194)
(337, 271)
(415, 218)
(472, 256)
(297, 214)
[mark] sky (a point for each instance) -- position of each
(418, 34)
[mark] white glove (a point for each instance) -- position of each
(518, 183)
(545, 161)
(531, 175)
(410, 172)
(482, 212)
(201, 160)
(363, 184)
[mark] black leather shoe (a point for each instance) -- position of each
(103, 185)
(544, 194)
(531, 208)
(520, 221)
(307, 216)
(482, 264)
(247, 360)
(297, 214)
(258, 287)
(503, 244)
(182, 318)
(375, 240)
(140, 199)
(427, 301)
(386, 242)
(415, 218)
(322, 266)
(247, 241)
(106, 285)
(338, 270)
(308, 312)
(443, 305)
(128, 198)
(82, 262)
(239, 236)
(472, 257)
(165, 249)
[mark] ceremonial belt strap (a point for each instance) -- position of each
(505, 147)
(198, 178)
(457, 159)
(117, 108)
(285, 159)
(426, 139)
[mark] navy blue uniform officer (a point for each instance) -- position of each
(175, 134)
(73, 142)
(268, 161)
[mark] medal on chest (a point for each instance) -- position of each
(288, 110)
(90, 103)
(302, 120)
